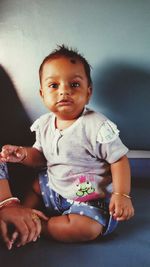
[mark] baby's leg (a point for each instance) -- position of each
(33, 198)
(72, 228)
(65, 228)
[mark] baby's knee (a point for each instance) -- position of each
(87, 229)
(91, 232)
(73, 228)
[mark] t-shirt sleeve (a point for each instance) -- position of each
(35, 127)
(109, 144)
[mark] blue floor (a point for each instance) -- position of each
(128, 246)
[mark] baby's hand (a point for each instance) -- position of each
(11, 153)
(121, 207)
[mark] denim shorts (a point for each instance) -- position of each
(57, 205)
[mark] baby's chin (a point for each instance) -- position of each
(67, 113)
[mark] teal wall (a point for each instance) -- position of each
(114, 36)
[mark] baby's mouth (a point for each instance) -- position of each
(64, 102)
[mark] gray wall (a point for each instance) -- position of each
(114, 35)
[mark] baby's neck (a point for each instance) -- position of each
(63, 124)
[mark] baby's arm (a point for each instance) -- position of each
(120, 203)
(26, 155)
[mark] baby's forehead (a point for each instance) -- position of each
(73, 60)
(56, 67)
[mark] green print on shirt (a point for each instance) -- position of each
(84, 189)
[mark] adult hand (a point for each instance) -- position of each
(26, 222)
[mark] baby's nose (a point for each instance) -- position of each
(65, 93)
(64, 90)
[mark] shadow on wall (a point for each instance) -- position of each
(122, 92)
(15, 124)
(15, 128)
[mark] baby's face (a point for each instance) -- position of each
(64, 87)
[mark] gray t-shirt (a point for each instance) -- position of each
(79, 157)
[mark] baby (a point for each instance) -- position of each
(85, 185)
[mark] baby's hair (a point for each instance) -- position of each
(73, 54)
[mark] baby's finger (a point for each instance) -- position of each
(2, 159)
(111, 208)
(12, 153)
(118, 212)
(4, 154)
(7, 149)
(123, 216)
(130, 213)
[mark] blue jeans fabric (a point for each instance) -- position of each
(3, 171)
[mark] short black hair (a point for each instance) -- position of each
(63, 50)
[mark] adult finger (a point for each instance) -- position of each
(32, 229)
(38, 228)
(14, 237)
(4, 234)
(40, 214)
(23, 232)
(31, 232)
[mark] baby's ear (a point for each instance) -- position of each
(41, 92)
(90, 89)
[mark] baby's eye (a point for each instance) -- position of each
(53, 85)
(75, 84)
